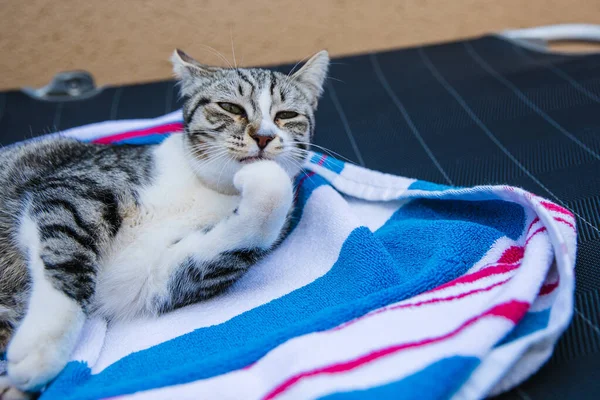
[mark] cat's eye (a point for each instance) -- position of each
(286, 115)
(232, 108)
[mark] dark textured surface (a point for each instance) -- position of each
(464, 113)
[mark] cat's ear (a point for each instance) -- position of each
(312, 74)
(190, 73)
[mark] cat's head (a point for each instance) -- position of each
(235, 116)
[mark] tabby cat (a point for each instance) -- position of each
(126, 231)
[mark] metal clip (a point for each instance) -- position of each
(66, 86)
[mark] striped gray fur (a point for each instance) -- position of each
(77, 192)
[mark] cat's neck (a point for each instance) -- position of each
(171, 154)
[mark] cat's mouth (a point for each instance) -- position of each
(247, 160)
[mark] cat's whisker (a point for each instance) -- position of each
(211, 159)
(287, 78)
(331, 78)
(304, 152)
(296, 66)
(232, 49)
(286, 161)
(217, 53)
(307, 174)
(329, 152)
(204, 149)
(229, 159)
(300, 167)
(213, 156)
(207, 152)
(207, 157)
(199, 169)
(288, 83)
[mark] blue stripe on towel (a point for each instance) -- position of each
(439, 380)
(305, 185)
(501, 216)
(531, 322)
(424, 244)
(148, 139)
(429, 186)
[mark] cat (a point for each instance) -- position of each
(127, 231)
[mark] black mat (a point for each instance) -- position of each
(465, 113)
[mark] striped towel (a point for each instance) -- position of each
(387, 287)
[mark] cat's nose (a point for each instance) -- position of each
(262, 140)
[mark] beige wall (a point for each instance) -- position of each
(123, 41)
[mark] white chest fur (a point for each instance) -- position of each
(176, 204)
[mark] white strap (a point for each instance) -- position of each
(566, 32)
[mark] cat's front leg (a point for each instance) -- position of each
(266, 200)
(206, 262)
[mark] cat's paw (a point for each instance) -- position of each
(266, 185)
(42, 344)
(265, 173)
(9, 392)
(34, 360)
